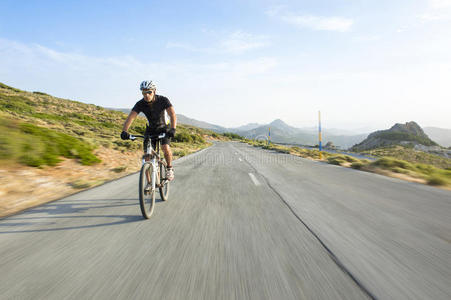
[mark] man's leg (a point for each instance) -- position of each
(168, 156)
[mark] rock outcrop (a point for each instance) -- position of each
(408, 134)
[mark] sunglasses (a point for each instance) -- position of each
(147, 92)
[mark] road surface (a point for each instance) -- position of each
(241, 223)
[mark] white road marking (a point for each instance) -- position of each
(256, 182)
(240, 158)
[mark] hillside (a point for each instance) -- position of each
(91, 125)
(409, 133)
(50, 147)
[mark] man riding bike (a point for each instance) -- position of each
(153, 106)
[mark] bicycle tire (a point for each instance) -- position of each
(164, 190)
(146, 201)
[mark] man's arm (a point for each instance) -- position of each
(172, 116)
(131, 117)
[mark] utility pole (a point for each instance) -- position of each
(269, 136)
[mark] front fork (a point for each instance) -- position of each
(154, 174)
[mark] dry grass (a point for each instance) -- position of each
(388, 166)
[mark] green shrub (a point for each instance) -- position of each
(35, 146)
(81, 184)
(436, 180)
(232, 135)
(16, 104)
(9, 88)
(119, 169)
(336, 160)
(180, 153)
(40, 93)
(183, 137)
(350, 159)
(392, 163)
(357, 165)
(7, 145)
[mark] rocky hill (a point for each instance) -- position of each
(409, 133)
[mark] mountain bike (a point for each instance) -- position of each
(152, 175)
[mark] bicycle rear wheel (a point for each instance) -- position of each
(164, 190)
(146, 198)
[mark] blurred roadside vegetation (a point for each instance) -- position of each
(409, 154)
(433, 169)
(38, 129)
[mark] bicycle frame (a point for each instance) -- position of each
(153, 157)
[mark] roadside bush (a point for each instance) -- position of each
(232, 135)
(350, 158)
(336, 160)
(357, 165)
(197, 138)
(436, 180)
(35, 146)
(180, 153)
(392, 163)
(183, 137)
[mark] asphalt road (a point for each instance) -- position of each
(241, 223)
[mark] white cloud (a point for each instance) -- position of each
(440, 3)
(186, 47)
(367, 38)
(429, 17)
(438, 10)
(239, 42)
(340, 24)
(236, 42)
(110, 81)
(319, 23)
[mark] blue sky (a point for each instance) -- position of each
(364, 64)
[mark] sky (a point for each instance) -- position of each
(366, 64)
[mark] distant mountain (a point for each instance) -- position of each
(281, 132)
(248, 126)
(284, 133)
(124, 110)
(441, 135)
(182, 119)
(398, 134)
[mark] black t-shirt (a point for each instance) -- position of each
(154, 111)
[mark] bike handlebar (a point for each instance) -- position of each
(160, 136)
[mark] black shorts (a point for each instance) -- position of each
(163, 141)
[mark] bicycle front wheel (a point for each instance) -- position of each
(164, 187)
(146, 192)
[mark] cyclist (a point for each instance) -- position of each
(153, 106)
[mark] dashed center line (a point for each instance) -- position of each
(252, 176)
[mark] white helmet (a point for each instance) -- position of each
(147, 85)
